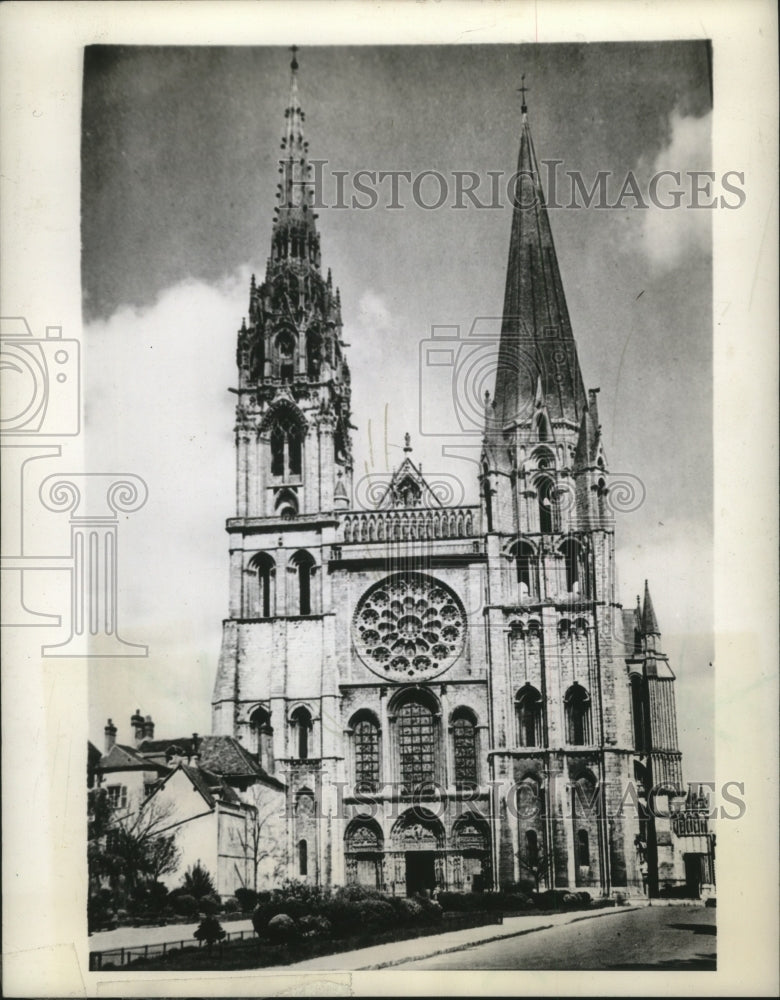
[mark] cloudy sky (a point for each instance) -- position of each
(179, 171)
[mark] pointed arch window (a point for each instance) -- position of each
(578, 716)
(570, 550)
(365, 748)
(417, 740)
(302, 725)
(263, 735)
(464, 748)
(286, 447)
(285, 356)
(525, 568)
(548, 505)
(529, 716)
(638, 713)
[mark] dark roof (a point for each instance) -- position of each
(210, 785)
(222, 755)
(124, 758)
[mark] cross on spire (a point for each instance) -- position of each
(522, 91)
(294, 61)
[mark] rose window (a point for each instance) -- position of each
(409, 626)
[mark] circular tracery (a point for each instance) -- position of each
(409, 626)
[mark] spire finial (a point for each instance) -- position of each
(407, 442)
(294, 61)
(522, 91)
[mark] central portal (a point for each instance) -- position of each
(420, 872)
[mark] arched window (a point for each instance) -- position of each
(417, 745)
(524, 557)
(286, 504)
(285, 356)
(529, 717)
(578, 718)
(303, 565)
(638, 712)
(263, 735)
(464, 748)
(313, 345)
(583, 849)
(263, 569)
(365, 743)
(548, 505)
(303, 858)
(286, 446)
(488, 495)
(302, 725)
(570, 550)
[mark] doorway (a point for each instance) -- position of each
(420, 872)
(693, 875)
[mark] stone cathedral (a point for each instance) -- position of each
(452, 696)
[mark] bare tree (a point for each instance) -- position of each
(535, 863)
(260, 841)
(143, 839)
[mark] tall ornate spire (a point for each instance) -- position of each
(649, 621)
(294, 232)
(536, 336)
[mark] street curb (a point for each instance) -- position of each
(497, 937)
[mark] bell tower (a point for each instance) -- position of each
(293, 448)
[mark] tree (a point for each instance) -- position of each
(536, 863)
(197, 882)
(210, 931)
(135, 844)
(260, 841)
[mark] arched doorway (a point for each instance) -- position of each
(418, 853)
(470, 857)
(363, 849)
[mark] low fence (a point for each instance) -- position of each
(117, 957)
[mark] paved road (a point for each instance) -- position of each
(651, 938)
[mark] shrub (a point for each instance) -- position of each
(210, 905)
(210, 931)
(282, 927)
(247, 899)
(551, 899)
(411, 911)
(185, 905)
(314, 926)
(375, 914)
(231, 905)
(432, 910)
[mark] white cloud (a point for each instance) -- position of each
(669, 236)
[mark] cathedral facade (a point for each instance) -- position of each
(452, 696)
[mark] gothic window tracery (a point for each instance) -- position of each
(286, 446)
(365, 742)
(409, 625)
(417, 745)
(464, 748)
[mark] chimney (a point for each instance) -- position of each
(195, 751)
(148, 728)
(137, 724)
(110, 740)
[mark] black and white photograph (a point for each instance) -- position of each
(365, 533)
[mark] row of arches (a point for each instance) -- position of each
(400, 526)
(527, 563)
(300, 724)
(530, 716)
(261, 598)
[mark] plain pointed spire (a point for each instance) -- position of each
(536, 335)
(649, 621)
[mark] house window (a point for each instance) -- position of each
(365, 738)
(529, 717)
(117, 796)
(302, 724)
(149, 787)
(464, 749)
(416, 745)
(303, 858)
